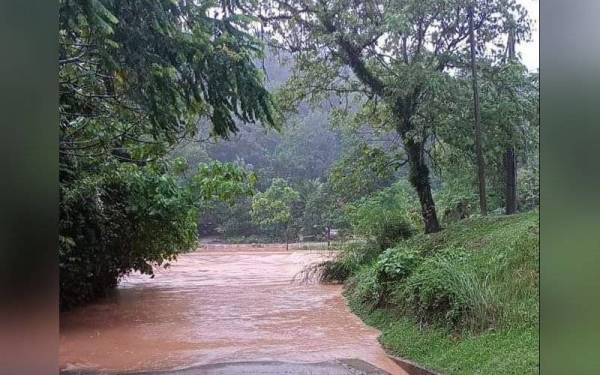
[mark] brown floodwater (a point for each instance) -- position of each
(221, 303)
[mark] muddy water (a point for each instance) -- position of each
(219, 304)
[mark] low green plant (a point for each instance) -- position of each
(446, 289)
(386, 217)
(458, 300)
(397, 263)
(365, 288)
(392, 230)
(334, 271)
(350, 259)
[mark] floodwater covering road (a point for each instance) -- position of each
(219, 304)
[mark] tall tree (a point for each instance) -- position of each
(510, 160)
(508, 102)
(274, 206)
(389, 52)
(477, 117)
(321, 211)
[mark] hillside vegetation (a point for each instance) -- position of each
(461, 301)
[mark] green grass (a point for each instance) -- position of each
(489, 267)
(502, 352)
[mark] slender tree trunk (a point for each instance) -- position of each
(510, 169)
(286, 237)
(524, 159)
(510, 159)
(328, 236)
(478, 147)
(419, 178)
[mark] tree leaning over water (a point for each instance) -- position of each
(394, 54)
(135, 77)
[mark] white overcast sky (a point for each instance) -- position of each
(530, 51)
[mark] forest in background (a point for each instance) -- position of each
(343, 171)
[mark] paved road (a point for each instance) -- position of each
(337, 367)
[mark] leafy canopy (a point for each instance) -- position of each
(140, 74)
(135, 78)
(274, 206)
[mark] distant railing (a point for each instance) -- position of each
(316, 246)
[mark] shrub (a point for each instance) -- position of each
(456, 200)
(386, 217)
(397, 263)
(446, 289)
(126, 218)
(123, 217)
(392, 231)
(365, 288)
(528, 187)
(334, 271)
(352, 257)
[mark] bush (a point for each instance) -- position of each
(456, 200)
(528, 187)
(375, 272)
(334, 271)
(392, 231)
(386, 217)
(457, 292)
(351, 258)
(446, 289)
(365, 288)
(397, 263)
(125, 218)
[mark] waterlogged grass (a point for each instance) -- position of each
(469, 307)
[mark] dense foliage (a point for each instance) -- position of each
(386, 217)
(134, 80)
(362, 133)
(358, 128)
(469, 288)
(123, 218)
(127, 217)
(395, 59)
(274, 206)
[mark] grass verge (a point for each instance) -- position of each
(462, 301)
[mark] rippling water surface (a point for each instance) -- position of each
(221, 303)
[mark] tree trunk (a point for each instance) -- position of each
(478, 148)
(510, 169)
(328, 236)
(286, 238)
(419, 174)
(419, 178)
(510, 159)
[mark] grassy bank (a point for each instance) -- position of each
(463, 301)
